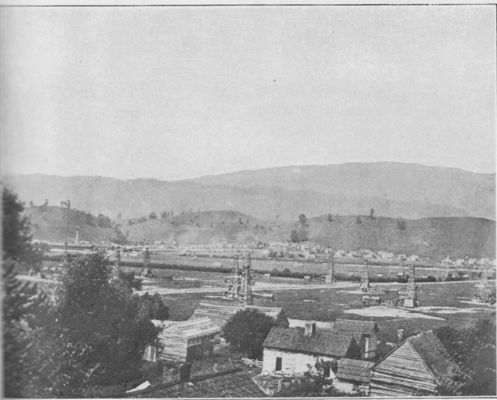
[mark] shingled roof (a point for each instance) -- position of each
(188, 329)
(418, 365)
(234, 383)
(435, 356)
(354, 370)
(352, 325)
(322, 342)
(221, 313)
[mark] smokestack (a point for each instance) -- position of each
(310, 328)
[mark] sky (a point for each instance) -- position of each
(176, 93)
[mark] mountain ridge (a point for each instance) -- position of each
(392, 189)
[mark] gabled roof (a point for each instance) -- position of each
(322, 342)
(221, 313)
(354, 370)
(419, 364)
(356, 326)
(234, 383)
(188, 329)
(435, 355)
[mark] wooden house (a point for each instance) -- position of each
(365, 334)
(220, 313)
(183, 340)
(294, 351)
(419, 365)
(353, 376)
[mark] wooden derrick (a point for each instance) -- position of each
(411, 293)
(365, 277)
(234, 287)
(485, 293)
(240, 286)
(246, 289)
(330, 276)
(147, 271)
(117, 264)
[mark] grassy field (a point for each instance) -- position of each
(328, 304)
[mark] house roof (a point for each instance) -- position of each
(419, 363)
(221, 313)
(435, 355)
(354, 370)
(352, 325)
(322, 342)
(234, 383)
(188, 329)
(355, 327)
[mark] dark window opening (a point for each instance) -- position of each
(278, 363)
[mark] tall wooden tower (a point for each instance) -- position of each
(246, 284)
(233, 291)
(365, 277)
(411, 298)
(330, 276)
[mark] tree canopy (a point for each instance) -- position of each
(19, 299)
(246, 330)
(474, 350)
(98, 329)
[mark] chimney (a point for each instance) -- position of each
(400, 334)
(184, 372)
(310, 328)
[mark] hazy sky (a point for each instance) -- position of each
(174, 93)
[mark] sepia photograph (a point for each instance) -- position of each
(219, 200)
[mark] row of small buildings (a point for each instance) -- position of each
(417, 365)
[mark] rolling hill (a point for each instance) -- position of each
(434, 238)
(392, 189)
(58, 224)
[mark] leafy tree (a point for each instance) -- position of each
(330, 218)
(103, 221)
(95, 334)
(155, 306)
(294, 236)
(474, 350)
(303, 220)
(401, 224)
(247, 330)
(152, 215)
(19, 299)
(315, 382)
(16, 239)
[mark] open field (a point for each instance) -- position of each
(441, 303)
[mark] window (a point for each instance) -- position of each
(279, 362)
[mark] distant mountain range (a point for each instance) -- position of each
(392, 189)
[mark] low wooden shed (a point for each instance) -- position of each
(183, 340)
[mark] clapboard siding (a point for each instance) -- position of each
(180, 340)
(403, 372)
